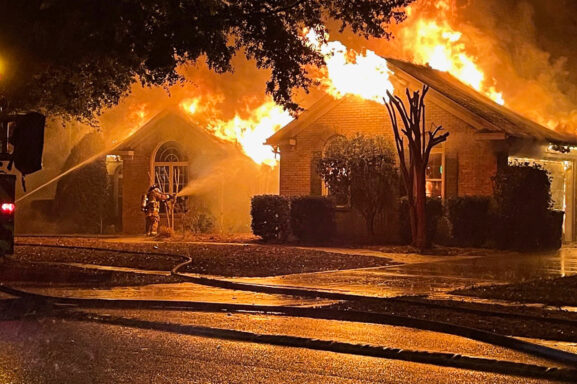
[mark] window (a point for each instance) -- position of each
(435, 175)
(171, 171)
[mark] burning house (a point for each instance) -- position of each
(207, 174)
(210, 149)
(484, 136)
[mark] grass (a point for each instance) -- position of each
(555, 292)
(229, 260)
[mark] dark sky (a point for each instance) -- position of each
(553, 23)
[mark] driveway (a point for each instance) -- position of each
(430, 275)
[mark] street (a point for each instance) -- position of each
(71, 352)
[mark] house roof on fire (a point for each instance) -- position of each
(173, 120)
(484, 113)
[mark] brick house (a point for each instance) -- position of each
(483, 137)
(174, 151)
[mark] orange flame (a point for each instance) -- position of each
(348, 72)
(250, 132)
(351, 73)
(437, 44)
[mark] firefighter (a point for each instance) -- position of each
(151, 207)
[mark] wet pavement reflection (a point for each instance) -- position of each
(439, 275)
(419, 275)
(341, 331)
(176, 292)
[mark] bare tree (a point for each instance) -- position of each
(419, 143)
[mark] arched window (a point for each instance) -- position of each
(171, 170)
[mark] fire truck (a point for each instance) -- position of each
(21, 147)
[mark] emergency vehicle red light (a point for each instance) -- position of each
(7, 208)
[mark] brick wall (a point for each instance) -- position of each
(226, 191)
(469, 163)
(349, 117)
(137, 171)
(135, 183)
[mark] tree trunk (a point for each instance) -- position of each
(413, 221)
(420, 228)
(419, 142)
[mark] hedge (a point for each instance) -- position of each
(470, 220)
(434, 207)
(313, 218)
(523, 198)
(270, 217)
(552, 236)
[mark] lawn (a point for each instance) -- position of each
(556, 292)
(230, 260)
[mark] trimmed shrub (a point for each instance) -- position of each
(434, 209)
(523, 197)
(552, 236)
(270, 217)
(470, 220)
(361, 170)
(313, 218)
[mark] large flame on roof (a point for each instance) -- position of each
(436, 43)
(351, 73)
(363, 74)
(250, 130)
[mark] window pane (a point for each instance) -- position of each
(435, 166)
(180, 174)
(180, 178)
(434, 188)
(162, 178)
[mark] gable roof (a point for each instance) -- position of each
(499, 117)
(489, 115)
(174, 116)
(316, 110)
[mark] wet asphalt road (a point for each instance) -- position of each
(57, 351)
